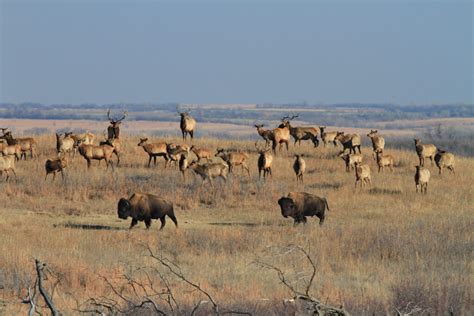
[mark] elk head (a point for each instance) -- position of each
(142, 141)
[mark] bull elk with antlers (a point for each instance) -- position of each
(187, 124)
(300, 133)
(113, 130)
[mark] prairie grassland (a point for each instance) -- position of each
(381, 248)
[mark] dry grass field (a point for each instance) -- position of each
(381, 249)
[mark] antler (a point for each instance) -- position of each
(125, 113)
(108, 116)
(288, 118)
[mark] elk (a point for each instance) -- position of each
(266, 134)
(281, 134)
(183, 165)
(154, 150)
(422, 177)
(11, 150)
(175, 152)
(383, 160)
(93, 152)
(7, 164)
(300, 133)
(349, 141)
(378, 142)
(201, 153)
(116, 144)
(424, 151)
(328, 137)
(264, 161)
(444, 159)
(362, 174)
(233, 159)
(210, 171)
(26, 144)
(65, 144)
(299, 166)
(54, 166)
(113, 131)
(85, 138)
(350, 160)
(187, 124)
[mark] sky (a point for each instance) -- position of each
(75, 52)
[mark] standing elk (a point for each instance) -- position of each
(26, 144)
(183, 165)
(383, 160)
(116, 144)
(444, 159)
(175, 152)
(154, 150)
(187, 124)
(328, 137)
(362, 174)
(7, 164)
(266, 134)
(264, 162)
(210, 171)
(233, 159)
(201, 153)
(113, 131)
(93, 152)
(281, 134)
(422, 177)
(299, 167)
(378, 142)
(54, 166)
(65, 144)
(11, 150)
(349, 141)
(424, 151)
(300, 133)
(350, 160)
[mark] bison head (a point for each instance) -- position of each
(288, 207)
(124, 208)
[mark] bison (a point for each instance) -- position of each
(300, 204)
(145, 207)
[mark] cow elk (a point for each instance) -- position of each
(233, 159)
(378, 142)
(350, 160)
(422, 177)
(424, 151)
(383, 160)
(7, 164)
(113, 131)
(209, 171)
(28, 145)
(264, 161)
(116, 144)
(154, 150)
(349, 141)
(299, 167)
(183, 165)
(362, 174)
(281, 134)
(444, 159)
(93, 152)
(65, 144)
(266, 134)
(201, 153)
(328, 137)
(187, 124)
(175, 152)
(300, 133)
(11, 150)
(55, 166)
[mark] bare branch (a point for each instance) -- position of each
(39, 271)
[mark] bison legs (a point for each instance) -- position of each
(173, 218)
(321, 219)
(163, 222)
(133, 223)
(148, 223)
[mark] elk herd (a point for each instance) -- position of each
(209, 164)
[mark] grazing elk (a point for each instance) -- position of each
(201, 153)
(233, 159)
(422, 177)
(264, 161)
(424, 151)
(145, 207)
(266, 134)
(93, 152)
(350, 160)
(378, 142)
(65, 144)
(444, 159)
(298, 205)
(299, 166)
(187, 124)
(349, 141)
(154, 150)
(26, 144)
(11, 150)
(362, 174)
(175, 152)
(113, 131)
(210, 171)
(54, 166)
(7, 164)
(328, 137)
(116, 144)
(383, 160)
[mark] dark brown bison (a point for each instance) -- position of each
(300, 204)
(145, 207)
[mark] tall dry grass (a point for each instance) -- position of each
(381, 248)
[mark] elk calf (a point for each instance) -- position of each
(422, 177)
(54, 166)
(7, 164)
(383, 160)
(444, 159)
(233, 159)
(362, 174)
(299, 166)
(350, 160)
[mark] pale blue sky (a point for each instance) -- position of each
(403, 52)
